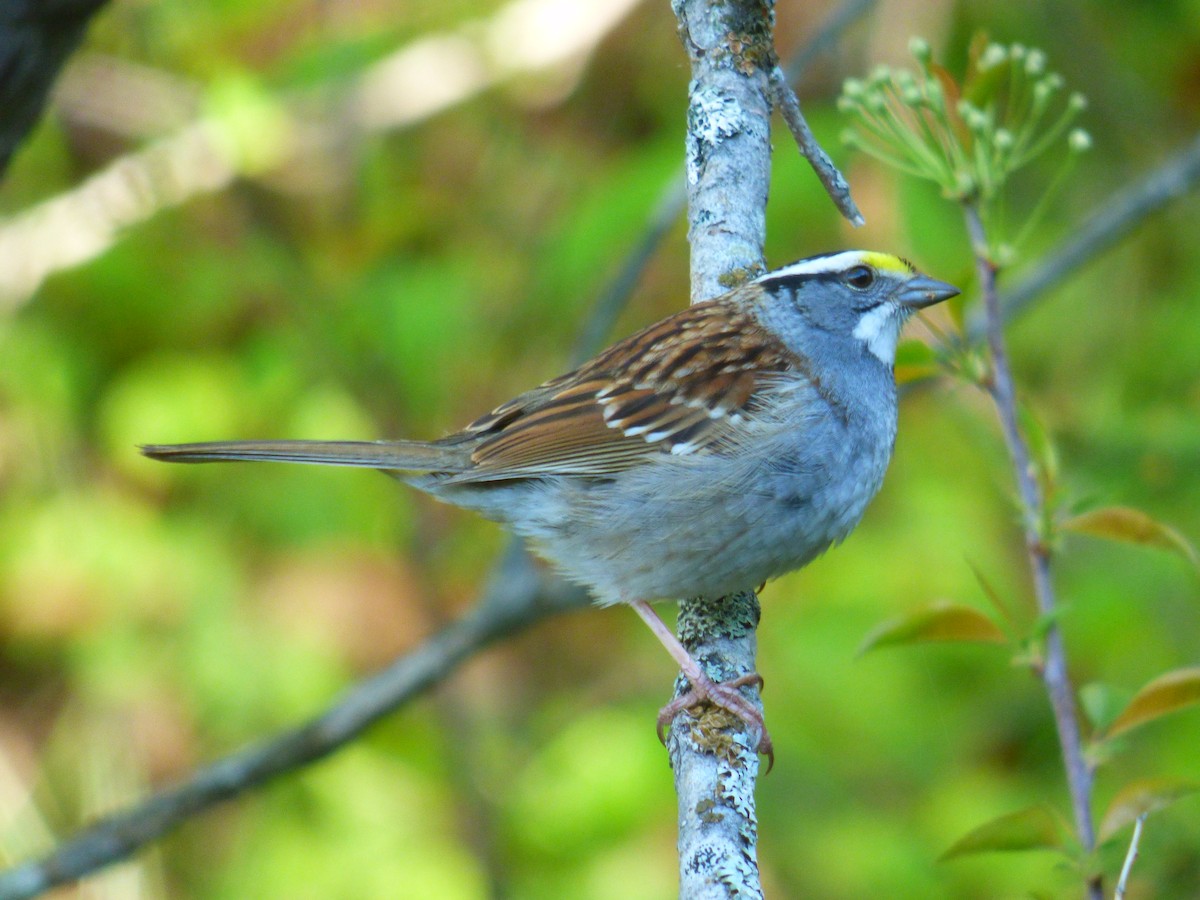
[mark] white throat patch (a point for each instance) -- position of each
(879, 329)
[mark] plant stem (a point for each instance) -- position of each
(1053, 670)
(1130, 857)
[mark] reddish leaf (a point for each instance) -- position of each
(980, 41)
(1121, 523)
(951, 92)
(1035, 828)
(1141, 797)
(1165, 694)
(939, 621)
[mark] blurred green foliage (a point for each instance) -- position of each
(152, 618)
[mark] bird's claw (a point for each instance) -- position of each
(724, 695)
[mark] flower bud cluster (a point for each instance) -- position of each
(967, 138)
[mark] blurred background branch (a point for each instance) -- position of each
(295, 142)
(1034, 512)
(1107, 224)
(517, 598)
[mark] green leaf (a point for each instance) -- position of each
(1041, 447)
(1035, 828)
(915, 361)
(956, 307)
(1141, 797)
(1165, 694)
(1122, 523)
(1044, 622)
(1102, 703)
(939, 621)
(998, 603)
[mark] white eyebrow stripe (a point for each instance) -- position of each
(838, 262)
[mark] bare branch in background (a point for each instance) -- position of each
(615, 296)
(1113, 219)
(304, 133)
(1130, 858)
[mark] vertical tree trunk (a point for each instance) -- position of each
(730, 46)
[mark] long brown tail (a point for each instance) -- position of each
(409, 456)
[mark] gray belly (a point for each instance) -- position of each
(707, 527)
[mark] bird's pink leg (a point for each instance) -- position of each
(723, 694)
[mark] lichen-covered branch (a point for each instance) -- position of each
(673, 199)
(730, 46)
(714, 758)
(728, 150)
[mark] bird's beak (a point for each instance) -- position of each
(922, 291)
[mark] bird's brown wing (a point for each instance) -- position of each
(678, 387)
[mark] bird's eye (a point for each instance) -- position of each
(860, 277)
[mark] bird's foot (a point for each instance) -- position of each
(723, 695)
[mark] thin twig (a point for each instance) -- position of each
(1130, 857)
(830, 177)
(671, 204)
(1053, 670)
(673, 198)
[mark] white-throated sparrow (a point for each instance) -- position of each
(725, 445)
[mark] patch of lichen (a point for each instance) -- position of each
(749, 41)
(703, 618)
(707, 811)
(713, 734)
(741, 275)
